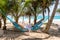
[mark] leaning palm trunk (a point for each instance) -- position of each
(51, 19)
(4, 27)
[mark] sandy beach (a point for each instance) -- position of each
(31, 16)
(13, 35)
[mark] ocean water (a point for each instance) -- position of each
(55, 17)
(26, 19)
(32, 18)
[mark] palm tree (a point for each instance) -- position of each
(38, 3)
(3, 4)
(4, 19)
(26, 10)
(22, 14)
(28, 13)
(43, 4)
(0, 21)
(7, 6)
(51, 18)
(15, 9)
(34, 5)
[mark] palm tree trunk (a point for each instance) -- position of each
(23, 19)
(35, 19)
(29, 18)
(0, 23)
(43, 15)
(16, 19)
(4, 27)
(51, 19)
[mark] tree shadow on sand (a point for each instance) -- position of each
(33, 39)
(54, 32)
(11, 35)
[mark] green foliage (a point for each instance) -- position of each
(28, 0)
(3, 3)
(19, 0)
(58, 10)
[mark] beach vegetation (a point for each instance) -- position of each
(58, 10)
(3, 6)
(0, 21)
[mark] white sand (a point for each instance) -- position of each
(56, 22)
(1, 32)
(11, 35)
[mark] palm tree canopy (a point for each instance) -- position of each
(3, 3)
(58, 10)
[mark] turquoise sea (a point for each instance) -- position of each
(38, 18)
(26, 19)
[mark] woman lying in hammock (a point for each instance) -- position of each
(27, 26)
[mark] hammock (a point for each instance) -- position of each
(16, 25)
